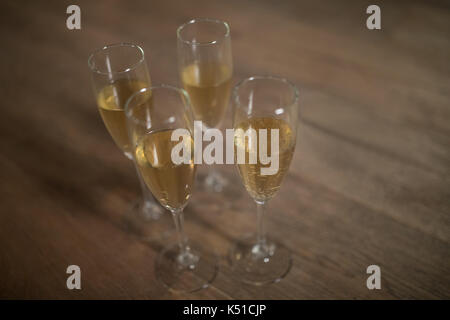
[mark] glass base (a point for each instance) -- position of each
(186, 273)
(215, 182)
(147, 210)
(259, 264)
(148, 221)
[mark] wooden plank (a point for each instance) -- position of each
(369, 183)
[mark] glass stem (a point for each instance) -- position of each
(261, 231)
(178, 218)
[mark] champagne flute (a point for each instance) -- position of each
(205, 67)
(263, 103)
(117, 71)
(153, 116)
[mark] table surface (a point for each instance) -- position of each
(369, 182)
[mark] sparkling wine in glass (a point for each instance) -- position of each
(206, 68)
(117, 71)
(154, 116)
(260, 105)
(110, 101)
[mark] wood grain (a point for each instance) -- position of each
(369, 183)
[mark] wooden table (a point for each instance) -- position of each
(369, 183)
